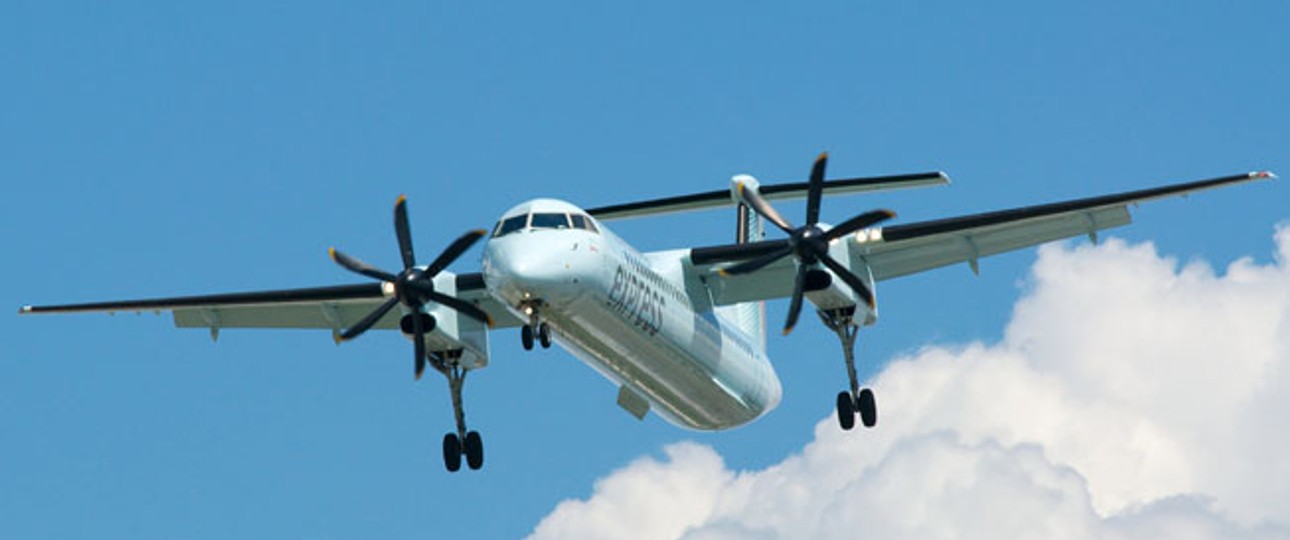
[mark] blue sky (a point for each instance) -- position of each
(156, 148)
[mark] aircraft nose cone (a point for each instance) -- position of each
(544, 273)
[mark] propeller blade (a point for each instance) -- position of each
(859, 222)
(463, 307)
(459, 246)
(361, 326)
(360, 267)
(795, 307)
(815, 189)
(418, 345)
(756, 264)
(764, 209)
(404, 232)
(851, 279)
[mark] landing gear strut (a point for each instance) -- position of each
(463, 442)
(857, 400)
(535, 330)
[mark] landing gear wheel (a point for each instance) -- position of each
(526, 337)
(452, 452)
(544, 335)
(474, 450)
(868, 409)
(846, 411)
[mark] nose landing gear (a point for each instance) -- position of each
(536, 329)
(857, 400)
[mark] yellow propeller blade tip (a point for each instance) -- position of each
(788, 331)
(331, 252)
(823, 156)
(402, 199)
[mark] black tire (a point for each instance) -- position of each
(526, 337)
(474, 450)
(867, 407)
(452, 452)
(846, 411)
(544, 335)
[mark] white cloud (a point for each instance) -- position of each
(1129, 398)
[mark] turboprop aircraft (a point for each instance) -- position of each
(681, 332)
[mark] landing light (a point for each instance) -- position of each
(869, 235)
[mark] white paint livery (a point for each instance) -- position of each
(629, 317)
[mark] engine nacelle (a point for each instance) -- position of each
(829, 292)
(449, 332)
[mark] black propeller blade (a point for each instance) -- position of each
(413, 287)
(808, 243)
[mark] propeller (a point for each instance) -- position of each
(809, 244)
(413, 287)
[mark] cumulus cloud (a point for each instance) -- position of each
(1129, 397)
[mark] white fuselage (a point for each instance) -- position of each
(633, 319)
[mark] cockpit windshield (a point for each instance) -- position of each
(510, 225)
(583, 222)
(549, 221)
(544, 220)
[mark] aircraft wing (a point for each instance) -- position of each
(792, 190)
(901, 250)
(333, 307)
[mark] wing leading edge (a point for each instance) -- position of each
(901, 250)
(332, 307)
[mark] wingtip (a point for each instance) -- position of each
(24, 309)
(1268, 175)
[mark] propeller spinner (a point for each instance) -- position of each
(413, 287)
(809, 244)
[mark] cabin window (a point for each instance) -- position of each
(510, 225)
(550, 221)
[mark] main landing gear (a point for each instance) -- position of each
(857, 400)
(463, 443)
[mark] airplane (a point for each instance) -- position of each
(681, 332)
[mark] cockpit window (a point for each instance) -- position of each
(583, 222)
(510, 225)
(544, 220)
(550, 221)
